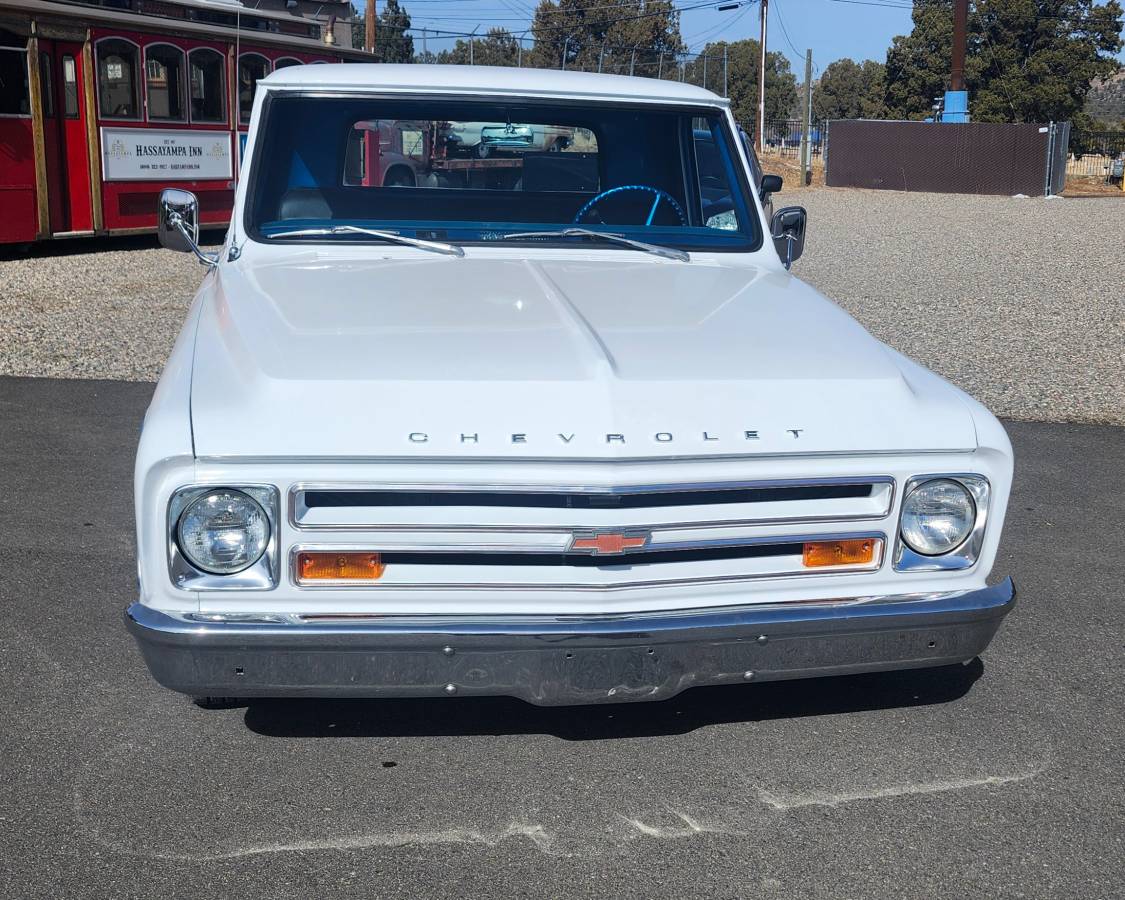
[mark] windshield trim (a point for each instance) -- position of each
(755, 241)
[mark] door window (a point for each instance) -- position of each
(118, 84)
(714, 171)
(207, 87)
(70, 87)
(164, 82)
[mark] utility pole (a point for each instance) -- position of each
(960, 23)
(806, 129)
(760, 137)
(369, 35)
(956, 105)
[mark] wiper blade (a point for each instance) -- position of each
(392, 237)
(656, 250)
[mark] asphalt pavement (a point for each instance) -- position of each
(1002, 778)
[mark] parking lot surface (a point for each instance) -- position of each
(1002, 778)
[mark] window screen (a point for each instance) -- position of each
(118, 82)
(164, 82)
(207, 86)
(251, 69)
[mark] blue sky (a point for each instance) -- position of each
(832, 28)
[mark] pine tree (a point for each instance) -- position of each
(638, 36)
(497, 48)
(848, 90)
(1026, 60)
(742, 79)
(392, 42)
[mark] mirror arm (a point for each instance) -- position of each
(177, 222)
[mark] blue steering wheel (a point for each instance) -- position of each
(659, 195)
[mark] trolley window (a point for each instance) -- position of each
(285, 62)
(15, 99)
(118, 84)
(46, 85)
(164, 82)
(70, 87)
(208, 88)
(252, 68)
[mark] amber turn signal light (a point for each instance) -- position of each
(819, 554)
(333, 565)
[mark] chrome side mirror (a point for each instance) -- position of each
(177, 224)
(787, 228)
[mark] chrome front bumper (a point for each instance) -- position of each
(562, 660)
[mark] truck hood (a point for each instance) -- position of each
(333, 356)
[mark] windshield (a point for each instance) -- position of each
(463, 171)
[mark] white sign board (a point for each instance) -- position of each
(150, 154)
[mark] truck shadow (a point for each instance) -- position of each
(210, 238)
(697, 708)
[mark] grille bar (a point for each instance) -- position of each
(520, 508)
(585, 560)
(595, 500)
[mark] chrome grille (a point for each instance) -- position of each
(474, 537)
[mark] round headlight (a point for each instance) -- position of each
(223, 532)
(937, 516)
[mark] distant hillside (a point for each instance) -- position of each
(1106, 100)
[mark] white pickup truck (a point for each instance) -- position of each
(575, 435)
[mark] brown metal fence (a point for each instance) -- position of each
(972, 158)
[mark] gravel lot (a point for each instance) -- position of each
(1021, 302)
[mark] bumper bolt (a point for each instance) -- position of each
(451, 689)
(447, 650)
(747, 676)
(763, 639)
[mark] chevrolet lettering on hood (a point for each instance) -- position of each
(659, 437)
(548, 418)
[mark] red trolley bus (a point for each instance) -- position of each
(103, 103)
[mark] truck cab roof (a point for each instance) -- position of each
(487, 81)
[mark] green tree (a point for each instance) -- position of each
(742, 79)
(392, 42)
(496, 48)
(848, 90)
(638, 36)
(1026, 60)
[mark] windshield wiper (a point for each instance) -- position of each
(666, 252)
(392, 237)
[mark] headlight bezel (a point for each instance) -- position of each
(262, 575)
(965, 554)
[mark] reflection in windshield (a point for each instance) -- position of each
(465, 171)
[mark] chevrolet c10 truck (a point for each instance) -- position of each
(576, 435)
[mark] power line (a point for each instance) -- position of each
(711, 33)
(784, 30)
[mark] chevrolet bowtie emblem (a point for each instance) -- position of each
(608, 543)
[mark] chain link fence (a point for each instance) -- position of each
(783, 136)
(706, 71)
(1096, 154)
